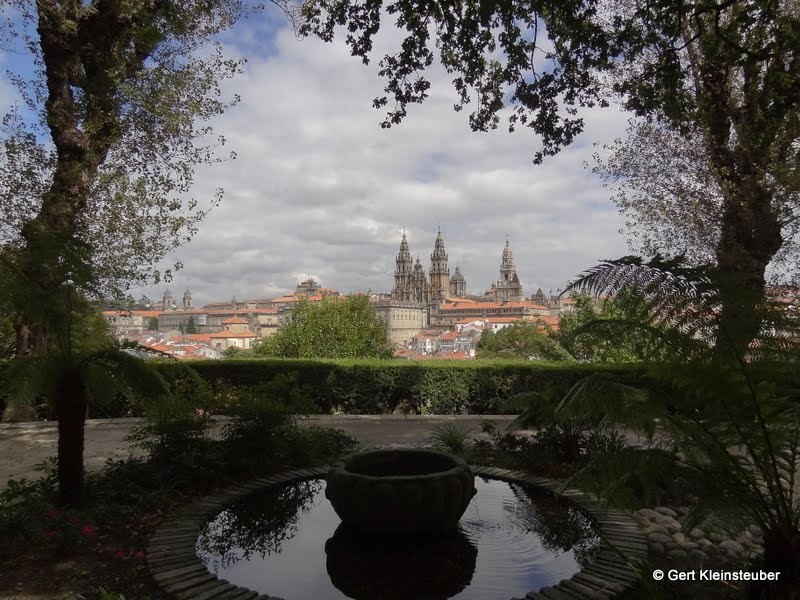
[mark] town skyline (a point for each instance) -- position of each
(319, 189)
(472, 267)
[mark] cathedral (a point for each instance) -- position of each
(412, 285)
(507, 288)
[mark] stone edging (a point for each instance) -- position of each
(175, 567)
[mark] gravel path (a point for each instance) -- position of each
(23, 445)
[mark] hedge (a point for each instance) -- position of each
(373, 386)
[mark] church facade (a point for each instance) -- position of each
(412, 285)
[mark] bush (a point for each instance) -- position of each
(257, 433)
(452, 438)
(372, 386)
(313, 444)
(380, 386)
(175, 424)
(23, 505)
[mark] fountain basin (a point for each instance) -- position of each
(400, 493)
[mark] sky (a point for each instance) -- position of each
(319, 189)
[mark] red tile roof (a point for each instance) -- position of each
(448, 335)
(193, 337)
(235, 321)
(231, 335)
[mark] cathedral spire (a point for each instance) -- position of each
(403, 271)
(508, 286)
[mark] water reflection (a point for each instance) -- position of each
(259, 525)
(287, 542)
(560, 526)
(398, 570)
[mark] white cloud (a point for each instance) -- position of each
(319, 188)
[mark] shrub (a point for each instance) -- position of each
(449, 437)
(175, 424)
(257, 432)
(24, 504)
(313, 444)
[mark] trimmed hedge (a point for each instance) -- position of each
(430, 387)
(372, 386)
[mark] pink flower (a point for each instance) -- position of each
(54, 513)
(50, 534)
(139, 555)
(119, 554)
(88, 530)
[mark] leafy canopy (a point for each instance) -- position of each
(521, 340)
(586, 334)
(721, 410)
(331, 328)
(114, 111)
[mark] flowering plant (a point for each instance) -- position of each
(132, 559)
(66, 529)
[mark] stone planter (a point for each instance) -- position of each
(400, 493)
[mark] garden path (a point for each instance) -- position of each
(24, 445)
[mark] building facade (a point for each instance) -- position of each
(411, 284)
(403, 319)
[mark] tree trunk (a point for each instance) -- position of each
(750, 238)
(31, 338)
(781, 555)
(71, 405)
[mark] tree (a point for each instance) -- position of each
(95, 166)
(726, 73)
(603, 345)
(231, 352)
(190, 326)
(727, 425)
(521, 340)
(665, 188)
(105, 147)
(331, 328)
(152, 324)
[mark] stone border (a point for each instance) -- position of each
(175, 567)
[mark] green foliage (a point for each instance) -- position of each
(603, 345)
(257, 432)
(152, 324)
(263, 431)
(312, 444)
(449, 437)
(331, 328)
(728, 413)
(23, 506)
(521, 340)
(176, 421)
(191, 326)
(231, 352)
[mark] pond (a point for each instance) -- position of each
(287, 541)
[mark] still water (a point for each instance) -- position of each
(286, 542)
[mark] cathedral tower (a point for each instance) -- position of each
(187, 300)
(458, 285)
(420, 292)
(403, 273)
(168, 300)
(439, 272)
(508, 287)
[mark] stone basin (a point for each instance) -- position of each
(400, 493)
